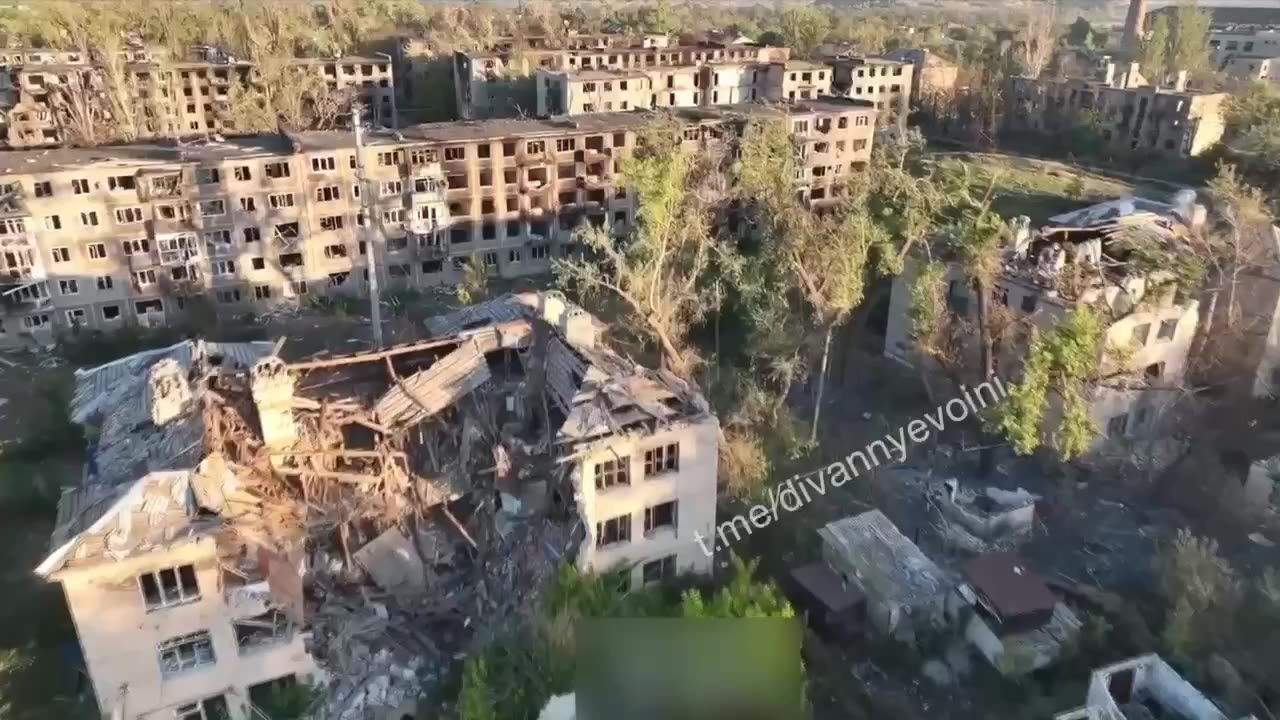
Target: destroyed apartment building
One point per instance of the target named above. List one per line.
(1094, 257)
(247, 523)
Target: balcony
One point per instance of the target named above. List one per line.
(25, 295)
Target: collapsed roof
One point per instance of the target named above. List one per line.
(452, 446)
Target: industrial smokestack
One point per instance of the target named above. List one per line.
(1133, 25)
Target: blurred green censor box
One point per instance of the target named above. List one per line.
(689, 669)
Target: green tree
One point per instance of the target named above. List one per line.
(1189, 44)
(657, 271)
(803, 28)
(1155, 50)
(1080, 33)
(1061, 363)
(476, 700)
(741, 597)
(824, 259)
(1201, 594)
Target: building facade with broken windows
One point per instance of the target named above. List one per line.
(100, 237)
(1078, 259)
(609, 89)
(182, 97)
(1128, 113)
(494, 83)
(887, 83)
(247, 523)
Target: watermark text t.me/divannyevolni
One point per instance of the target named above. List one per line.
(799, 490)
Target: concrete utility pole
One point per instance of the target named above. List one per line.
(371, 243)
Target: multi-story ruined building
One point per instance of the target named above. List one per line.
(187, 97)
(206, 503)
(612, 90)
(100, 237)
(504, 82)
(1131, 114)
(887, 83)
(1078, 259)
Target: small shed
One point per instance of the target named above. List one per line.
(903, 587)
(831, 603)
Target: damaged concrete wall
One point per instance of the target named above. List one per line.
(272, 386)
(120, 637)
(692, 486)
(168, 394)
(1154, 677)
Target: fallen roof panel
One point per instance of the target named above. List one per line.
(429, 391)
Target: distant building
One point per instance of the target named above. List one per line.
(1144, 686)
(932, 75)
(887, 83)
(502, 81)
(182, 98)
(1254, 67)
(1133, 115)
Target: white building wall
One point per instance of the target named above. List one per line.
(692, 486)
(119, 638)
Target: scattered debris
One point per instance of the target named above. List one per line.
(390, 506)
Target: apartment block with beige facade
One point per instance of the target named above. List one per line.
(97, 238)
(1133, 114)
(192, 97)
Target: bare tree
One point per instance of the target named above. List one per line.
(1040, 36)
(80, 111)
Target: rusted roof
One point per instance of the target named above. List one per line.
(1003, 579)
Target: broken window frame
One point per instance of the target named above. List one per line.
(655, 571)
(198, 647)
(611, 473)
(278, 629)
(184, 588)
(621, 531)
(213, 707)
(651, 517)
(662, 459)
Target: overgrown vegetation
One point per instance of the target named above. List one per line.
(515, 675)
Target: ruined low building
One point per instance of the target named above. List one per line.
(1082, 259)
(247, 523)
(992, 515)
(1141, 688)
(1009, 615)
(1130, 113)
(905, 591)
